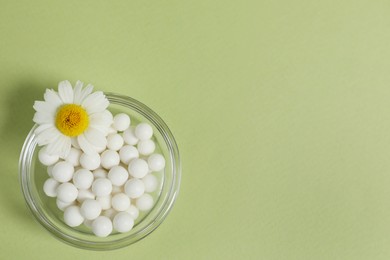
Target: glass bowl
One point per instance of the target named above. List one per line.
(32, 175)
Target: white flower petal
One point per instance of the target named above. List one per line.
(41, 118)
(85, 145)
(85, 93)
(48, 135)
(45, 108)
(74, 142)
(95, 137)
(103, 129)
(41, 128)
(101, 118)
(65, 92)
(95, 103)
(52, 97)
(77, 92)
(60, 146)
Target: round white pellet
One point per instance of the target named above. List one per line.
(110, 159)
(90, 161)
(129, 136)
(133, 211)
(121, 122)
(63, 205)
(117, 189)
(145, 202)
(63, 171)
(156, 162)
(138, 168)
(85, 194)
(50, 187)
(90, 209)
(101, 187)
(123, 222)
(118, 175)
(67, 192)
(110, 213)
(73, 217)
(74, 156)
(150, 182)
(127, 153)
(120, 202)
(50, 170)
(146, 147)
(134, 188)
(83, 179)
(102, 226)
(47, 159)
(105, 202)
(99, 173)
(114, 142)
(143, 131)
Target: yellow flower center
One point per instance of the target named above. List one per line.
(72, 119)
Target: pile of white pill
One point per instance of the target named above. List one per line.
(106, 191)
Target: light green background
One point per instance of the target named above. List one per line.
(281, 110)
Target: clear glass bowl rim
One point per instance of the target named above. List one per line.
(116, 99)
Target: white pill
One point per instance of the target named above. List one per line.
(146, 147)
(156, 162)
(120, 202)
(73, 217)
(101, 187)
(143, 131)
(150, 182)
(133, 211)
(83, 179)
(74, 156)
(118, 175)
(114, 142)
(105, 202)
(99, 173)
(63, 205)
(145, 202)
(67, 192)
(90, 161)
(123, 222)
(85, 194)
(102, 226)
(50, 187)
(110, 213)
(121, 122)
(47, 159)
(129, 136)
(134, 188)
(50, 170)
(117, 189)
(127, 153)
(63, 171)
(110, 159)
(138, 168)
(90, 209)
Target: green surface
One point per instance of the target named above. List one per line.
(280, 110)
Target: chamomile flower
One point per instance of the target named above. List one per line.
(77, 117)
